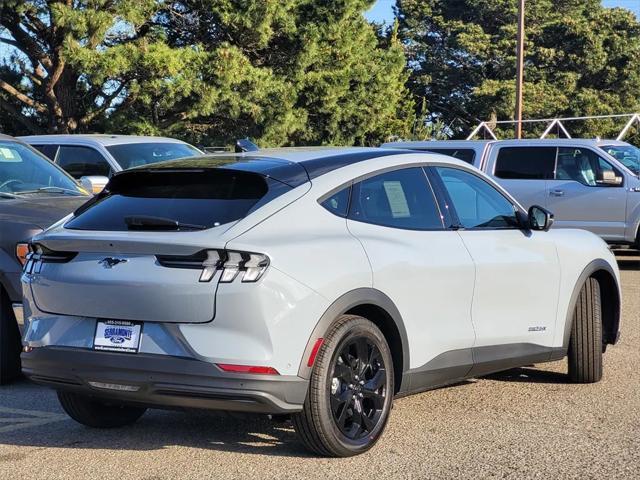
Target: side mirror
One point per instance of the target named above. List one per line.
(608, 177)
(540, 218)
(93, 183)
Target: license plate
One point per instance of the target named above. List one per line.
(117, 336)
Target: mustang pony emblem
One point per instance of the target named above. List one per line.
(111, 262)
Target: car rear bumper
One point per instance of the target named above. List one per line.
(162, 381)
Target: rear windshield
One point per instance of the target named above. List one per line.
(175, 200)
(130, 155)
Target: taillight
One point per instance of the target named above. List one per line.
(22, 251)
(233, 264)
(39, 254)
(259, 370)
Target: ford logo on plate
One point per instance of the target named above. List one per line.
(117, 335)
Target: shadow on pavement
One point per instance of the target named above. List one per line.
(156, 430)
(529, 375)
(628, 259)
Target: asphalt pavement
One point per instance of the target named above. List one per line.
(525, 423)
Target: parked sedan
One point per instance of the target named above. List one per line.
(319, 284)
(34, 193)
(92, 159)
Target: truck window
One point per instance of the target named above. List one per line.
(465, 154)
(49, 150)
(83, 161)
(582, 165)
(526, 163)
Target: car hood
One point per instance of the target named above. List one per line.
(39, 211)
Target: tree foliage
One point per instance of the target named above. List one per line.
(580, 59)
(283, 72)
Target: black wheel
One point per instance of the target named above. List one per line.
(97, 414)
(10, 344)
(585, 344)
(350, 390)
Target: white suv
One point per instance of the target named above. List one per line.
(316, 283)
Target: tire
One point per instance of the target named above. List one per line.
(345, 414)
(97, 414)
(585, 343)
(10, 344)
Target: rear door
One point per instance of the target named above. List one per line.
(425, 269)
(579, 198)
(524, 172)
(517, 272)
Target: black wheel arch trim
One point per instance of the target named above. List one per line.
(591, 268)
(347, 302)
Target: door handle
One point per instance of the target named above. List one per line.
(557, 193)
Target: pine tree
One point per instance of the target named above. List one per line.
(580, 59)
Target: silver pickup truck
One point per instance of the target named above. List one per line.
(588, 184)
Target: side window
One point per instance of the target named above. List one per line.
(525, 163)
(583, 165)
(477, 203)
(398, 199)
(48, 150)
(82, 161)
(338, 203)
(465, 154)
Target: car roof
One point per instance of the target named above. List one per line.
(427, 144)
(9, 138)
(595, 142)
(102, 139)
(293, 166)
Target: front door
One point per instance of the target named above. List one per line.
(517, 271)
(580, 198)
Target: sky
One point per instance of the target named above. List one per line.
(382, 11)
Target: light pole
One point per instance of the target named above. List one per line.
(519, 68)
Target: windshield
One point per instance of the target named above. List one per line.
(628, 155)
(23, 171)
(131, 155)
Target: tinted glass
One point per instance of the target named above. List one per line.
(399, 199)
(532, 163)
(206, 198)
(628, 155)
(83, 161)
(465, 154)
(338, 203)
(22, 171)
(477, 203)
(48, 150)
(136, 154)
(581, 165)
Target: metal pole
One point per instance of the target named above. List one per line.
(520, 68)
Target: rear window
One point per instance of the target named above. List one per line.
(526, 163)
(465, 154)
(192, 199)
(130, 155)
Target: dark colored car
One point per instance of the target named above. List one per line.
(34, 193)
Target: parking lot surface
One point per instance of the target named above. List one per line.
(525, 423)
